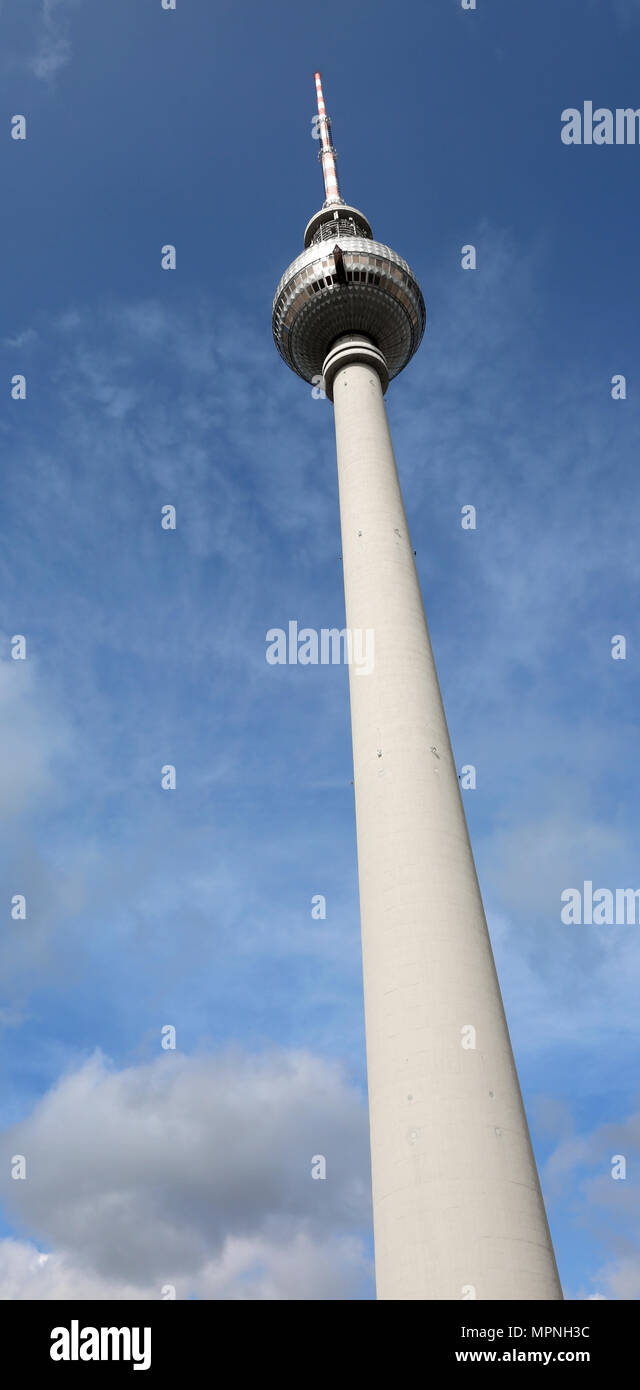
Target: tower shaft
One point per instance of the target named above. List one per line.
(458, 1210)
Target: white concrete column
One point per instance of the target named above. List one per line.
(456, 1196)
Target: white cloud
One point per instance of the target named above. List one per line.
(192, 1171)
(53, 46)
(581, 1173)
(618, 1280)
(301, 1267)
(33, 735)
(19, 340)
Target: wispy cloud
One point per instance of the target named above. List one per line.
(585, 1173)
(52, 43)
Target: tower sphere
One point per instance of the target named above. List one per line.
(344, 283)
(367, 290)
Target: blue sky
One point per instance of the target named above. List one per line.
(146, 647)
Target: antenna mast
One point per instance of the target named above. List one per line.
(327, 154)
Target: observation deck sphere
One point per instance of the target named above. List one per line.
(380, 299)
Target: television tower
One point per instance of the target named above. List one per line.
(458, 1211)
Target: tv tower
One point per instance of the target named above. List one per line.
(458, 1211)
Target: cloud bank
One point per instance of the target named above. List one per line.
(194, 1172)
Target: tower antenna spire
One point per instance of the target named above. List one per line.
(327, 154)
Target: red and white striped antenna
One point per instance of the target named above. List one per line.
(327, 153)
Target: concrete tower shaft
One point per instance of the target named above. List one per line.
(456, 1198)
(458, 1211)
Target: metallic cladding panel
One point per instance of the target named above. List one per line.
(381, 300)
